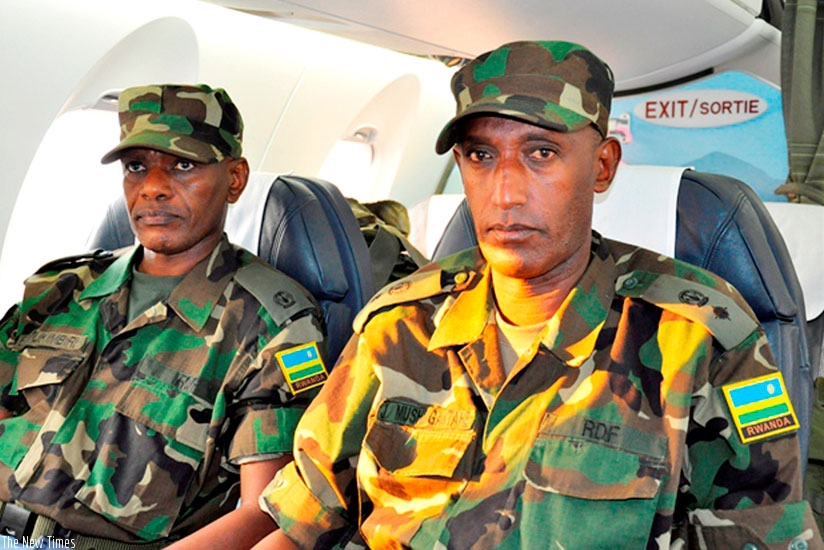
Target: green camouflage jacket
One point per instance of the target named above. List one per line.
(135, 432)
(612, 431)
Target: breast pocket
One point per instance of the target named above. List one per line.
(593, 483)
(171, 402)
(150, 452)
(411, 440)
(42, 376)
(414, 452)
(43, 372)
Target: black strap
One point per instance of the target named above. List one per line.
(16, 521)
(383, 253)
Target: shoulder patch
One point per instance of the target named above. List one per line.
(278, 293)
(760, 407)
(302, 367)
(718, 312)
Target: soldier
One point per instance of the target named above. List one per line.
(143, 391)
(551, 388)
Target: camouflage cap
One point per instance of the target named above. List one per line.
(556, 85)
(193, 122)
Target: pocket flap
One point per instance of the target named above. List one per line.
(591, 459)
(45, 366)
(178, 414)
(413, 439)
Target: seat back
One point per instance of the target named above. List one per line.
(725, 228)
(310, 233)
(114, 231)
(458, 235)
(722, 226)
(307, 230)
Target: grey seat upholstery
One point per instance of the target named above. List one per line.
(309, 232)
(724, 227)
(114, 231)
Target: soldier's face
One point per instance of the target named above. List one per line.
(177, 207)
(530, 191)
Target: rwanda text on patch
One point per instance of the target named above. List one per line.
(302, 367)
(760, 407)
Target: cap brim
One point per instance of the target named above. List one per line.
(449, 135)
(160, 142)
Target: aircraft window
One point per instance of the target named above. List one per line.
(350, 164)
(62, 198)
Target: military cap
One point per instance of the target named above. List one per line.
(556, 85)
(193, 122)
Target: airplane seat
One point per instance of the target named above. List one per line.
(802, 226)
(310, 233)
(458, 235)
(114, 231)
(303, 227)
(724, 227)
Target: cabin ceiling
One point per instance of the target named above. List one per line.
(646, 42)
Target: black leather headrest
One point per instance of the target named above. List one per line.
(310, 233)
(725, 228)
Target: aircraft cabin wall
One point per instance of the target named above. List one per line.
(311, 104)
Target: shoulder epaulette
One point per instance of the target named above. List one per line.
(727, 321)
(452, 273)
(70, 262)
(278, 293)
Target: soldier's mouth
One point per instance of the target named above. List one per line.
(510, 232)
(156, 217)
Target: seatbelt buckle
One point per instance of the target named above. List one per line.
(16, 521)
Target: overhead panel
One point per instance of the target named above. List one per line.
(646, 43)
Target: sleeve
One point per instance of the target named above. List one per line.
(276, 389)
(314, 499)
(739, 491)
(9, 399)
(45, 291)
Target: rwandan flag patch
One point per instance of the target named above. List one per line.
(302, 367)
(760, 407)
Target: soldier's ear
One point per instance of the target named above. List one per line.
(239, 172)
(608, 157)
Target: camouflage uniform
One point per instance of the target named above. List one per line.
(136, 431)
(611, 431)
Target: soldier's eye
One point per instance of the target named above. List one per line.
(184, 165)
(478, 155)
(132, 166)
(542, 153)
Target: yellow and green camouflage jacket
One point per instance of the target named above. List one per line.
(136, 431)
(612, 431)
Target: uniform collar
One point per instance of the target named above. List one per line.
(196, 295)
(570, 334)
